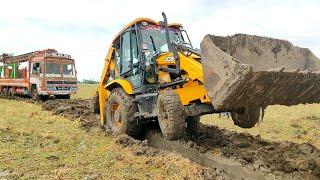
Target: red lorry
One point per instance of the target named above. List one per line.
(39, 74)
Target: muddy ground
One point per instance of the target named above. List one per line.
(229, 154)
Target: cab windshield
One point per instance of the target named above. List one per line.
(53, 69)
(155, 38)
(68, 70)
(58, 70)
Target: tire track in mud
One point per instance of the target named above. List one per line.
(230, 155)
(241, 155)
(225, 167)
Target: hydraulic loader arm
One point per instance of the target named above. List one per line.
(103, 93)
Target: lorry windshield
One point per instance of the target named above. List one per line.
(68, 70)
(53, 69)
(157, 34)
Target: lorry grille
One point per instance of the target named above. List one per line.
(61, 88)
(61, 82)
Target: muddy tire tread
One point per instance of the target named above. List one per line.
(130, 126)
(172, 123)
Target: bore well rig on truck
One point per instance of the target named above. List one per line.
(39, 74)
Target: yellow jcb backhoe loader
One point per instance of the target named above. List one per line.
(152, 72)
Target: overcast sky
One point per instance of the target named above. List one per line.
(85, 28)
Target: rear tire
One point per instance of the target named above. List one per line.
(5, 91)
(120, 110)
(11, 93)
(246, 118)
(171, 115)
(193, 123)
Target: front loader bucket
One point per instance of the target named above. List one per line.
(253, 77)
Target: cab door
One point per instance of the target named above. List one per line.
(129, 66)
(36, 74)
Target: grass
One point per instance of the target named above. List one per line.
(85, 91)
(37, 145)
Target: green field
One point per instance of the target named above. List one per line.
(35, 144)
(85, 91)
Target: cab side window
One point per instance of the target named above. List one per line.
(117, 54)
(36, 68)
(125, 53)
(134, 48)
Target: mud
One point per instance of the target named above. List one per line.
(265, 53)
(240, 155)
(227, 154)
(244, 71)
(73, 110)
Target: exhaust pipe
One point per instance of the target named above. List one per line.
(171, 48)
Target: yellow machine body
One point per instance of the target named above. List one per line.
(191, 91)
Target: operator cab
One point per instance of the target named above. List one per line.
(137, 48)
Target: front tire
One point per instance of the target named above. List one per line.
(120, 110)
(35, 96)
(171, 115)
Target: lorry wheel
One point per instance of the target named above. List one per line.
(5, 91)
(35, 96)
(193, 123)
(247, 118)
(171, 115)
(120, 110)
(11, 93)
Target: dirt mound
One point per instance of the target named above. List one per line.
(285, 156)
(73, 109)
(266, 53)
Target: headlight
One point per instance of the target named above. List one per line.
(52, 88)
(73, 88)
